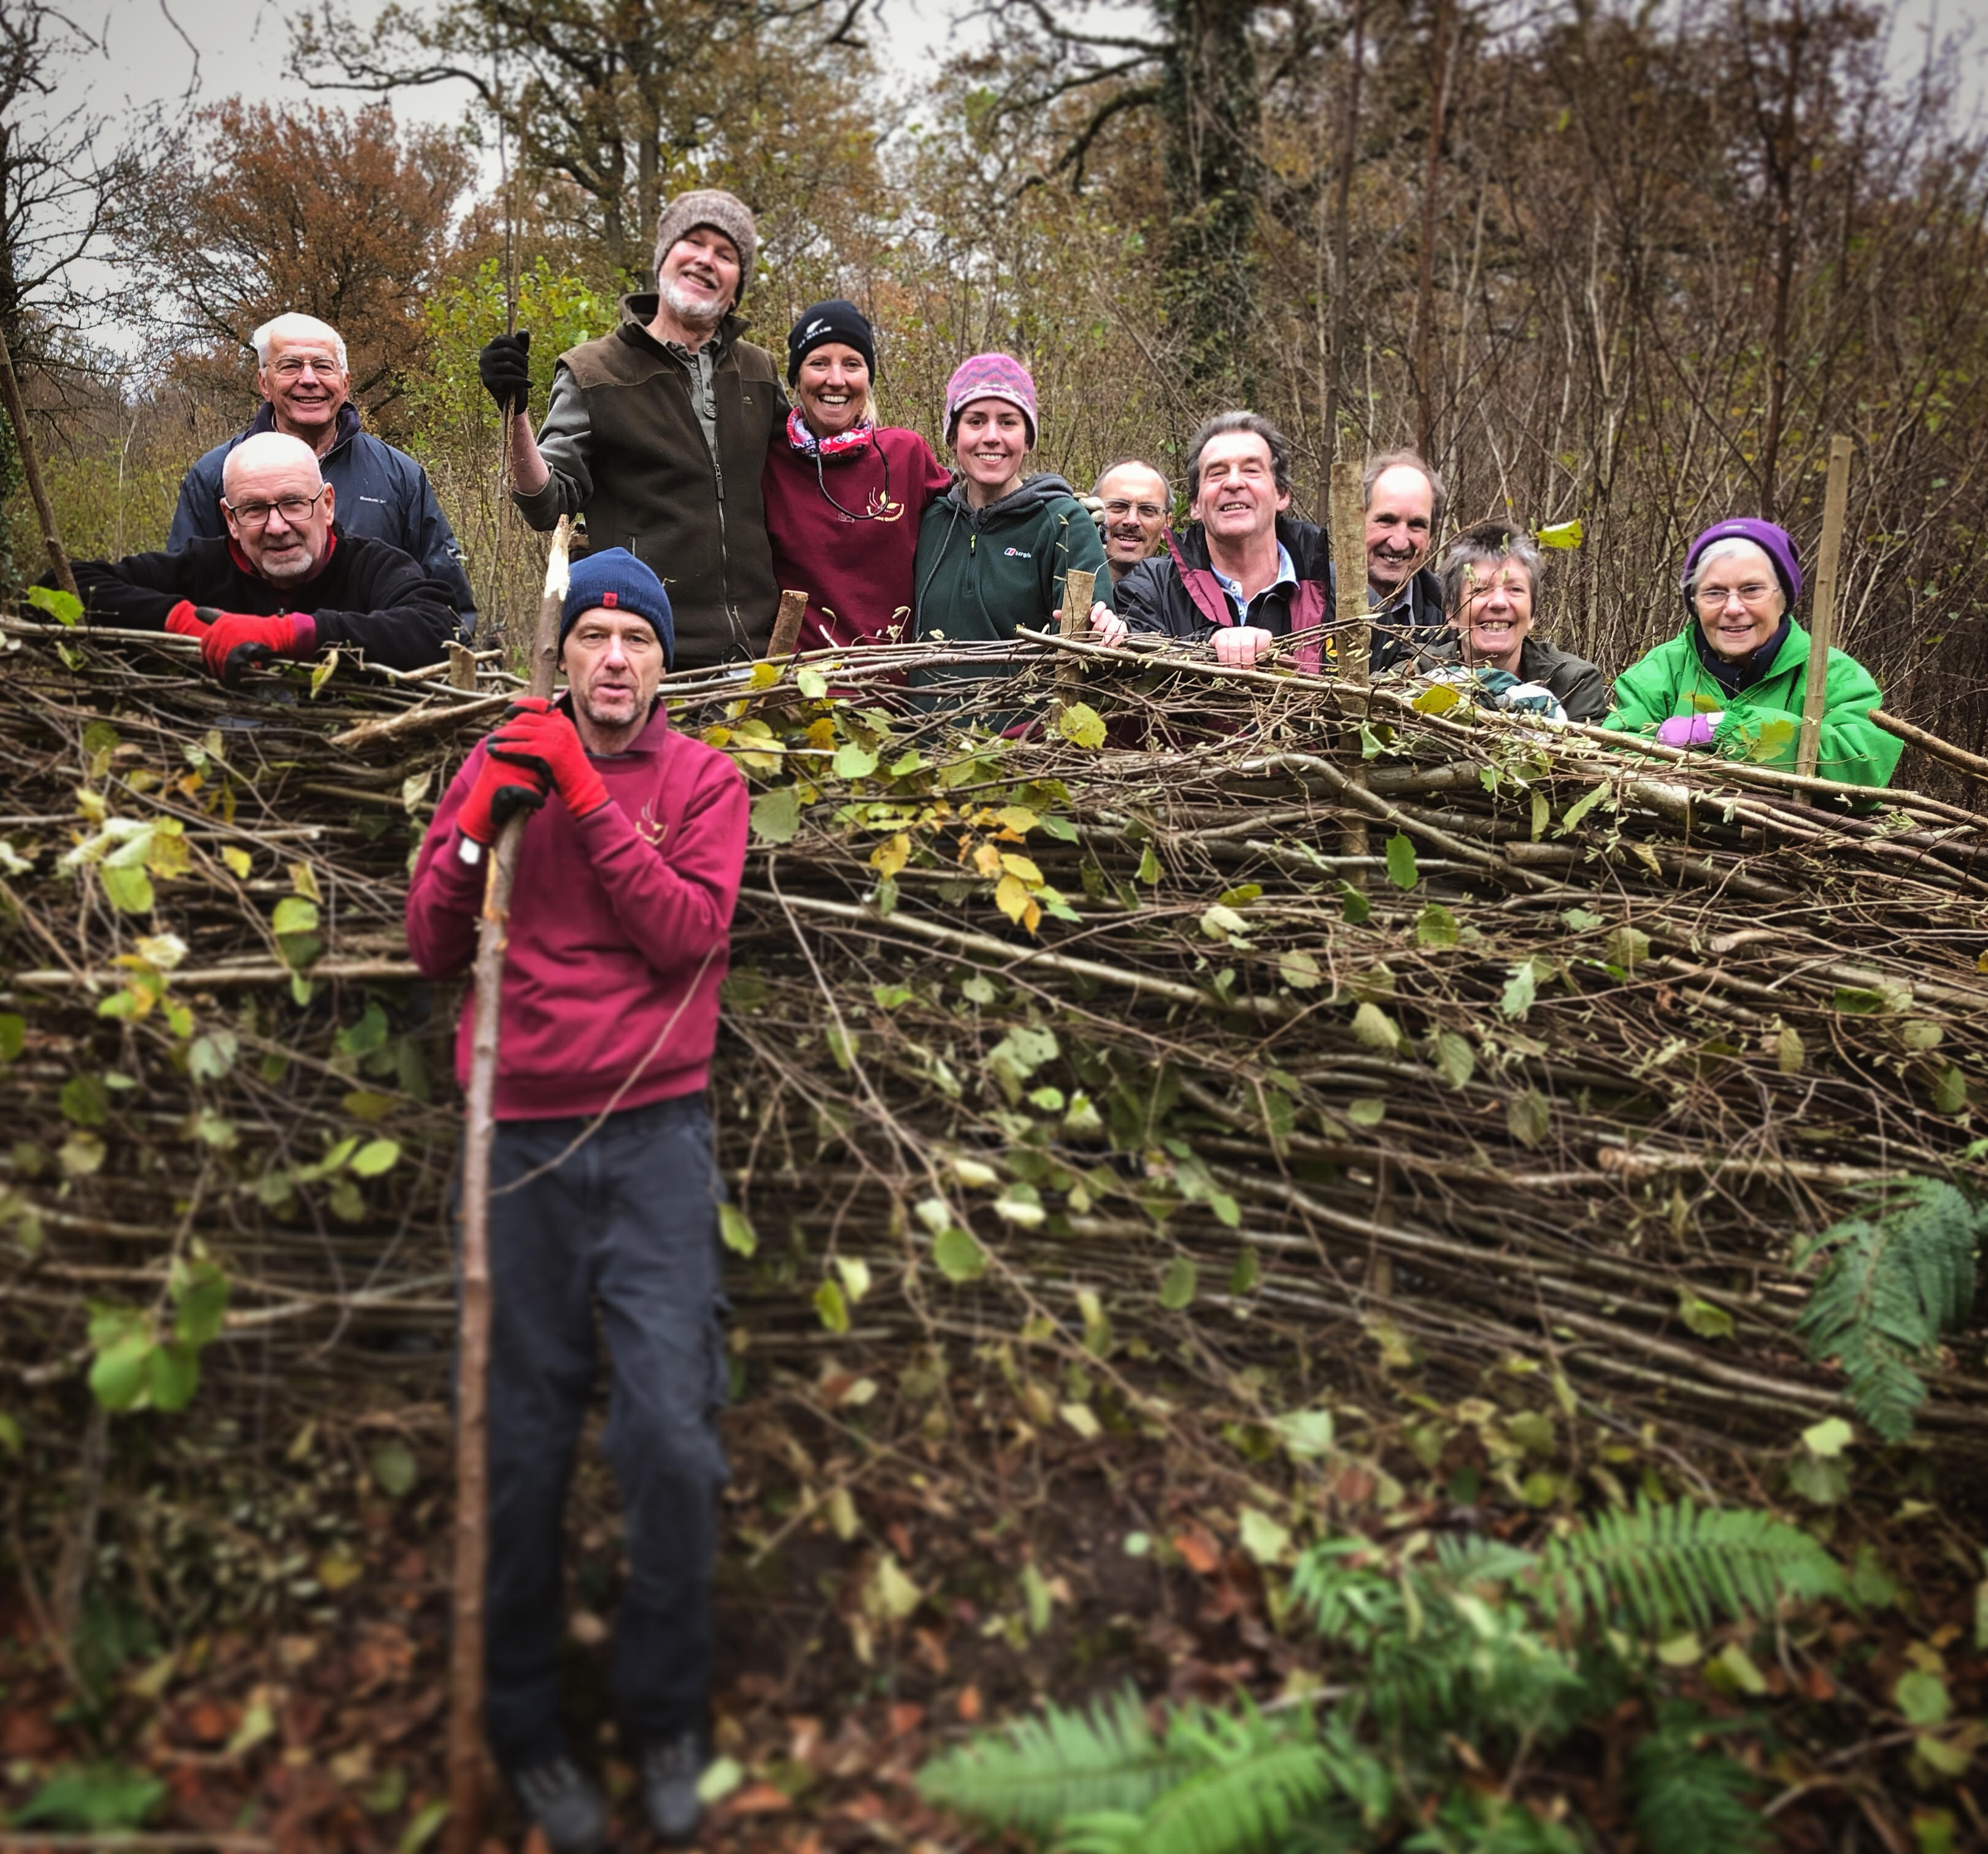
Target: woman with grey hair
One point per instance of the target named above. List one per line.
(1733, 681)
(1491, 576)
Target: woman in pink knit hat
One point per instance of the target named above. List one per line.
(993, 551)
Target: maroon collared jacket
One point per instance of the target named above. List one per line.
(619, 931)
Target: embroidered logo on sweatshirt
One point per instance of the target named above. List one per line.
(1018, 553)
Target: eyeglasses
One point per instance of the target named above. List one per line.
(1146, 512)
(292, 366)
(295, 509)
(1712, 598)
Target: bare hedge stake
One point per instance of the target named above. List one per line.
(787, 625)
(1079, 590)
(31, 468)
(1822, 618)
(472, 1486)
(1348, 532)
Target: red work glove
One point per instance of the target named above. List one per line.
(535, 734)
(501, 792)
(232, 641)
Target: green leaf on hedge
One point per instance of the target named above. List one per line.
(129, 889)
(959, 1258)
(777, 815)
(736, 1229)
(1402, 861)
(65, 608)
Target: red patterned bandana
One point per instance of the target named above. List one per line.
(844, 444)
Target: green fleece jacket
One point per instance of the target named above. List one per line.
(981, 572)
(1762, 723)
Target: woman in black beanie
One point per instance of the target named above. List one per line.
(843, 494)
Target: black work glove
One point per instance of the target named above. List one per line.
(505, 365)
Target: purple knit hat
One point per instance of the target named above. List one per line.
(1772, 541)
(989, 376)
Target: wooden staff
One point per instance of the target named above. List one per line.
(1079, 590)
(787, 624)
(472, 1491)
(1355, 632)
(31, 468)
(1822, 618)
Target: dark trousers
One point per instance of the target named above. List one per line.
(626, 1222)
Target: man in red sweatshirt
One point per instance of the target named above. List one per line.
(604, 1185)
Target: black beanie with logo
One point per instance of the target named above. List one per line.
(837, 319)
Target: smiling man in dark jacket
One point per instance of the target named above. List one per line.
(1243, 574)
(383, 494)
(285, 582)
(657, 433)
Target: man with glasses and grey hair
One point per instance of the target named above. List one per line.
(283, 581)
(382, 492)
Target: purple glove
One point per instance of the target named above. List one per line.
(1689, 730)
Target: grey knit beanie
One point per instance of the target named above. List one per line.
(722, 211)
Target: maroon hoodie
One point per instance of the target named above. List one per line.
(857, 573)
(619, 931)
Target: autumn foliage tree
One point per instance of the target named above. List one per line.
(257, 212)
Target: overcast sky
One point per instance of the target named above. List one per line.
(242, 47)
(163, 51)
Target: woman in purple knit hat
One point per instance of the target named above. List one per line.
(1732, 682)
(993, 551)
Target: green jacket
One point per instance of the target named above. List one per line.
(981, 572)
(1851, 748)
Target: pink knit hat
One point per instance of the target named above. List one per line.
(989, 376)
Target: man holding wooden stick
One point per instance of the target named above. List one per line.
(604, 1186)
(658, 432)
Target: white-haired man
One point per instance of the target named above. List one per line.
(658, 432)
(283, 581)
(382, 492)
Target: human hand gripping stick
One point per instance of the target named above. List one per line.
(537, 736)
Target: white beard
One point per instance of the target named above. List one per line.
(697, 311)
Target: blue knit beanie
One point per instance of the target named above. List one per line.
(614, 578)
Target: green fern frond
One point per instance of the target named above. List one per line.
(1468, 1823)
(1662, 1568)
(1891, 1283)
(1040, 1773)
(1462, 1563)
(1685, 1800)
(1243, 1805)
(1352, 1606)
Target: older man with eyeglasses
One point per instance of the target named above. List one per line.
(285, 580)
(306, 382)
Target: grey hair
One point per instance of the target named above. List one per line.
(1489, 544)
(1223, 423)
(1729, 549)
(1144, 463)
(1411, 460)
(294, 326)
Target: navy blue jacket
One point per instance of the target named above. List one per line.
(382, 493)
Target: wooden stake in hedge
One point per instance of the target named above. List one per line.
(473, 1493)
(31, 468)
(787, 625)
(1355, 633)
(1079, 591)
(1822, 615)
